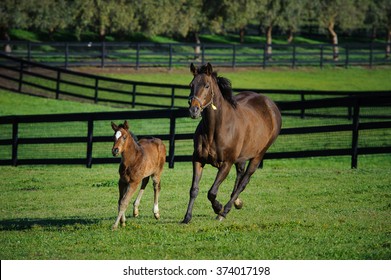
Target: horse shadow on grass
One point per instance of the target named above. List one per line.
(30, 223)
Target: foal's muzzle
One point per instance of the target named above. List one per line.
(115, 152)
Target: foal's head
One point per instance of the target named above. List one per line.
(121, 136)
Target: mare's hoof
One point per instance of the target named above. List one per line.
(238, 204)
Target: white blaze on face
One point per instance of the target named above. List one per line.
(118, 135)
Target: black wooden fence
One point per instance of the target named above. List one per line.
(131, 54)
(363, 132)
(10, 125)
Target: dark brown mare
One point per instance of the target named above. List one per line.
(233, 130)
(140, 161)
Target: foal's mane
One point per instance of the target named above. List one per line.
(224, 85)
(131, 133)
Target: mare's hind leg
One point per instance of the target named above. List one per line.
(240, 169)
(156, 189)
(251, 168)
(139, 196)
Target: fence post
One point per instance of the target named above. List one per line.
(203, 53)
(137, 56)
(170, 58)
(347, 56)
(89, 142)
(29, 51)
(58, 80)
(21, 76)
(103, 50)
(355, 129)
(134, 96)
(371, 56)
(171, 150)
(233, 55)
(264, 56)
(294, 56)
(96, 90)
(302, 113)
(15, 129)
(66, 55)
(321, 57)
(172, 97)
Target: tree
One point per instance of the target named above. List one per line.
(379, 16)
(293, 15)
(270, 15)
(238, 14)
(347, 14)
(49, 15)
(104, 16)
(12, 15)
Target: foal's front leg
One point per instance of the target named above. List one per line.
(123, 202)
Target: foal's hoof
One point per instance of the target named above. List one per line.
(238, 204)
(135, 214)
(157, 216)
(220, 218)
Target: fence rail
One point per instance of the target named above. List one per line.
(103, 54)
(13, 123)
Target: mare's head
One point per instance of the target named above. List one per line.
(203, 89)
(121, 136)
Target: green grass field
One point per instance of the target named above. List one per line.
(315, 208)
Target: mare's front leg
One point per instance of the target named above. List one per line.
(127, 190)
(197, 173)
(220, 177)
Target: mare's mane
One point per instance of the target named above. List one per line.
(224, 85)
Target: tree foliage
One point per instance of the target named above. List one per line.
(188, 18)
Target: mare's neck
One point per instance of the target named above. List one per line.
(213, 115)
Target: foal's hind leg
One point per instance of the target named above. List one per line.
(156, 189)
(139, 196)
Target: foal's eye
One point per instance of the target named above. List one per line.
(207, 86)
(124, 137)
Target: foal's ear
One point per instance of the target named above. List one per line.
(193, 69)
(114, 126)
(209, 69)
(126, 125)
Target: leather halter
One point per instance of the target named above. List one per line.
(207, 104)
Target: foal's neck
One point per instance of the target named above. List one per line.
(131, 152)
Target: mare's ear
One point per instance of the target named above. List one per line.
(126, 125)
(193, 69)
(114, 126)
(209, 69)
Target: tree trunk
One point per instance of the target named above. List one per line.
(102, 33)
(4, 36)
(334, 40)
(241, 35)
(388, 48)
(269, 39)
(197, 48)
(290, 36)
